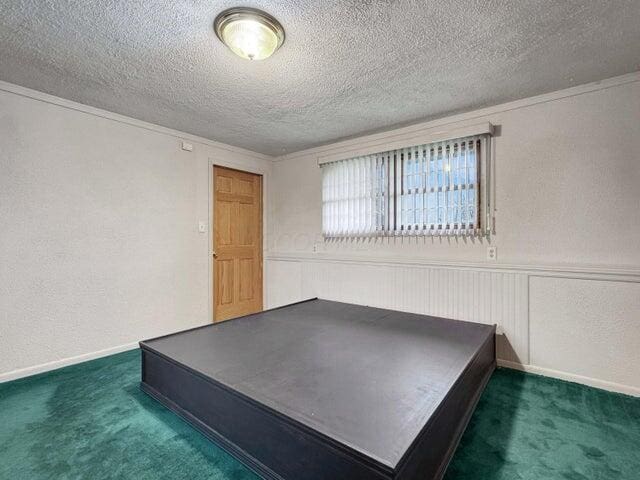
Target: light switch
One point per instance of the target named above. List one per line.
(492, 253)
(202, 227)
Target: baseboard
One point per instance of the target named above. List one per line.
(546, 372)
(571, 377)
(45, 367)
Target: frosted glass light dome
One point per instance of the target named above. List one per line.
(249, 33)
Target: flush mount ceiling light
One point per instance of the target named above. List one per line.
(249, 33)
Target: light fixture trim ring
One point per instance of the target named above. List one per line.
(238, 13)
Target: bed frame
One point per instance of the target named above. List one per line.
(327, 390)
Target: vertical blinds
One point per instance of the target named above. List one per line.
(431, 189)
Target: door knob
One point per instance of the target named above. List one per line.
(215, 255)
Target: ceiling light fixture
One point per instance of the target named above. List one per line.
(249, 33)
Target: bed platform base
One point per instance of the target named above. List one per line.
(279, 447)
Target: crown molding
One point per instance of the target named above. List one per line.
(116, 117)
(362, 141)
(404, 133)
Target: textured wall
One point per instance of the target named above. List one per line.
(567, 170)
(99, 244)
(588, 327)
(566, 188)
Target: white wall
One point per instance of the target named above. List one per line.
(99, 245)
(567, 198)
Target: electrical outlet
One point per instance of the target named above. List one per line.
(492, 253)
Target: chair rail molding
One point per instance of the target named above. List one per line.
(582, 271)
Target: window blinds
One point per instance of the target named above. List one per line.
(355, 200)
(431, 189)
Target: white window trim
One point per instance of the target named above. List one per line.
(485, 225)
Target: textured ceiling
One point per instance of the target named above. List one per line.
(346, 67)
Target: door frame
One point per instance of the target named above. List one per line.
(243, 167)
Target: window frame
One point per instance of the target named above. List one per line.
(394, 163)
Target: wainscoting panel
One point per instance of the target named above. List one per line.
(576, 323)
(464, 294)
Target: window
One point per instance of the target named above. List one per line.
(432, 189)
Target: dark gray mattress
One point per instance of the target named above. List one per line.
(365, 378)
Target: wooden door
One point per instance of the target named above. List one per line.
(237, 243)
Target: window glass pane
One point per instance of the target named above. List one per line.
(428, 188)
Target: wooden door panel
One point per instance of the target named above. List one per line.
(245, 226)
(245, 188)
(245, 277)
(225, 281)
(224, 214)
(223, 183)
(237, 243)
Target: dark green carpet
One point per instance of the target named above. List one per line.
(92, 421)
